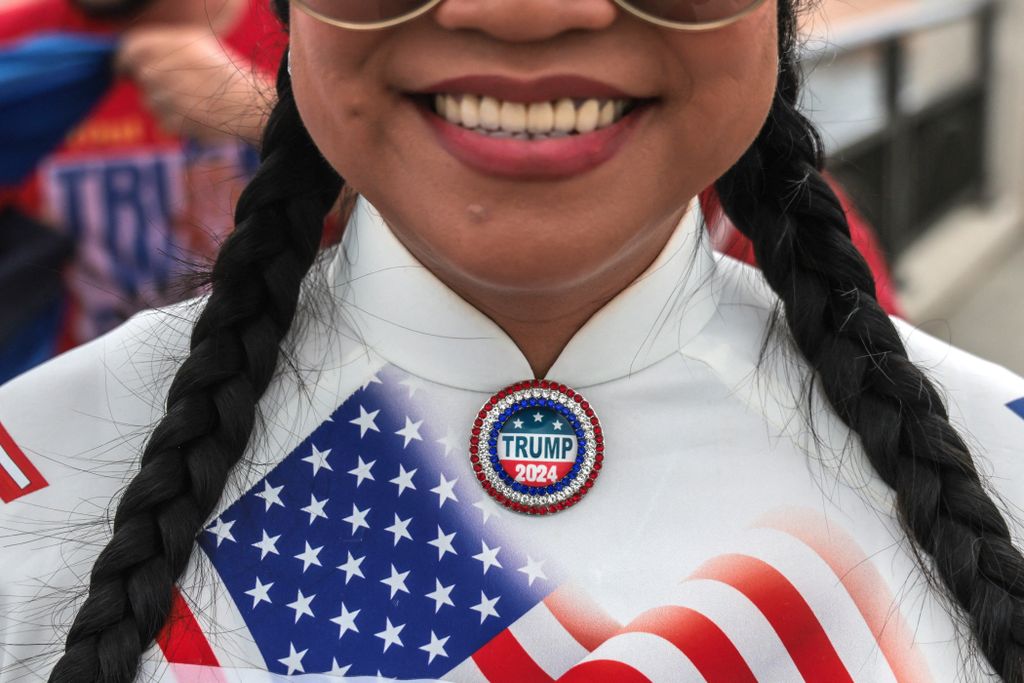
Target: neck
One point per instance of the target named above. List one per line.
(541, 326)
(542, 323)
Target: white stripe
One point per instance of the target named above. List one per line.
(744, 626)
(546, 641)
(825, 594)
(466, 672)
(654, 657)
(15, 473)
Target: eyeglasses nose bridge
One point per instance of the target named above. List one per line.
(371, 26)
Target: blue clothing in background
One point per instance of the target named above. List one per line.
(48, 84)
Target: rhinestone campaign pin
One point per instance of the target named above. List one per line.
(537, 447)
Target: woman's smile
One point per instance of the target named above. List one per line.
(541, 129)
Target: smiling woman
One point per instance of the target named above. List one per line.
(531, 427)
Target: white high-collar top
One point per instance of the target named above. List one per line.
(415, 322)
(733, 534)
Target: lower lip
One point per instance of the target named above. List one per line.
(533, 159)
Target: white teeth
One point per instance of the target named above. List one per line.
(513, 117)
(537, 120)
(565, 115)
(587, 115)
(452, 110)
(470, 111)
(540, 117)
(490, 113)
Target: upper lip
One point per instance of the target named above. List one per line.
(543, 89)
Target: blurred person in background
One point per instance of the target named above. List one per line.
(146, 183)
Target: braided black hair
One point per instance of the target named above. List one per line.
(211, 404)
(775, 194)
(778, 198)
(123, 9)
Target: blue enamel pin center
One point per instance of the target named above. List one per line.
(537, 447)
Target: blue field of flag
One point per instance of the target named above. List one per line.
(365, 550)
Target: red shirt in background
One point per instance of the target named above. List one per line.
(140, 204)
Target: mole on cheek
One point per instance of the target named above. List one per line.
(357, 104)
(477, 213)
(354, 112)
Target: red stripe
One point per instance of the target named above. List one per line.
(503, 660)
(11, 489)
(699, 639)
(181, 639)
(785, 609)
(864, 583)
(603, 671)
(585, 621)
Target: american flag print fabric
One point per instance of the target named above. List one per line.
(771, 610)
(18, 476)
(362, 553)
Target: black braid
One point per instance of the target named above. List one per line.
(124, 9)
(776, 195)
(211, 405)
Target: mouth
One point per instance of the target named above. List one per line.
(548, 128)
(533, 121)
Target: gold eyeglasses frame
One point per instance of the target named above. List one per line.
(431, 4)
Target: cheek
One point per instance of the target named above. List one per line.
(730, 79)
(338, 92)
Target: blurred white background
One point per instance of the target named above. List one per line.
(922, 105)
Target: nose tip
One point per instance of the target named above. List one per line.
(526, 20)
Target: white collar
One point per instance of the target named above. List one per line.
(401, 311)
